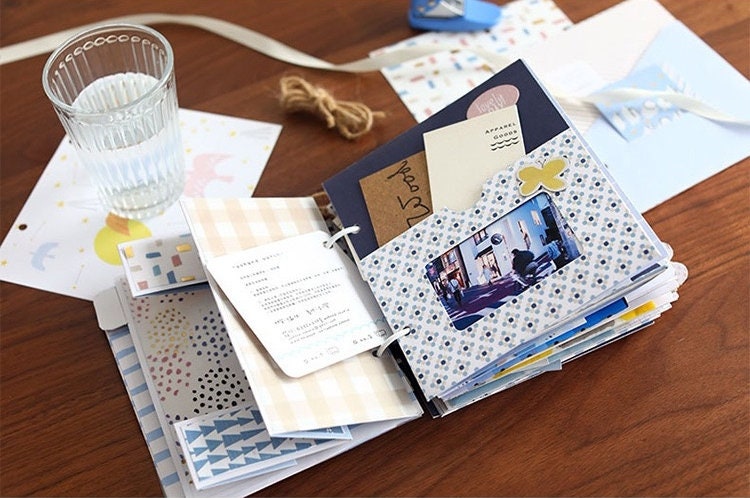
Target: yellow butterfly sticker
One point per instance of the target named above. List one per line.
(533, 178)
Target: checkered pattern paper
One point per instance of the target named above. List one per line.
(358, 390)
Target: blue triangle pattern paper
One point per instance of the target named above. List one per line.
(252, 456)
(234, 455)
(227, 445)
(277, 441)
(230, 439)
(206, 429)
(262, 445)
(251, 434)
(199, 450)
(192, 435)
(223, 425)
(213, 444)
(216, 458)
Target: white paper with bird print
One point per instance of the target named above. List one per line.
(64, 242)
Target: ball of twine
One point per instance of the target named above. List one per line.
(351, 119)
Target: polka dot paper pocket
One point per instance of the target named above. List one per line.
(550, 239)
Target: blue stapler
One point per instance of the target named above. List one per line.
(453, 15)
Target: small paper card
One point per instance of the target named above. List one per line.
(305, 301)
(398, 197)
(462, 156)
(159, 264)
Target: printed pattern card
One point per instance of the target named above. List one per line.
(358, 390)
(160, 437)
(428, 84)
(153, 265)
(188, 366)
(63, 241)
(307, 316)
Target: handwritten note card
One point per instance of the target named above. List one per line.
(306, 302)
(397, 197)
(462, 156)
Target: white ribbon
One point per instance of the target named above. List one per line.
(247, 37)
(680, 100)
(277, 50)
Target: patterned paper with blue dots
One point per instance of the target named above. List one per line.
(615, 243)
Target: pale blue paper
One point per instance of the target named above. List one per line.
(678, 155)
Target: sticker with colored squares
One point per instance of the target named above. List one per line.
(158, 264)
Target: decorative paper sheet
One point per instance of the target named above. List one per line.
(612, 48)
(428, 84)
(160, 437)
(133, 377)
(63, 242)
(156, 264)
(195, 379)
(358, 390)
(233, 444)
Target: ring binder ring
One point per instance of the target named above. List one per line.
(328, 244)
(391, 339)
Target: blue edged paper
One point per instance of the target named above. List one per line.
(689, 149)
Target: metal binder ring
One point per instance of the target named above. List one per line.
(328, 244)
(391, 339)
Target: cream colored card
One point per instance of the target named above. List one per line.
(462, 156)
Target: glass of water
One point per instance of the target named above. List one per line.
(113, 88)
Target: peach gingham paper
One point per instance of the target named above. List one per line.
(358, 390)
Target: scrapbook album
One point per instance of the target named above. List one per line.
(483, 247)
(505, 275)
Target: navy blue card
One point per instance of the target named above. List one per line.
(540, 121)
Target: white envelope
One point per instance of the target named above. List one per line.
(628, 37)
(599, 50)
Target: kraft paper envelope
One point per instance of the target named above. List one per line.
(398, 197)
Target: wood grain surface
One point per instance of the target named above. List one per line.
(665, 412)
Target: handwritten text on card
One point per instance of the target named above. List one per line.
(398, 197)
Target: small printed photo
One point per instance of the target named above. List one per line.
(502, 260)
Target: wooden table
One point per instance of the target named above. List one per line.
(664, 412)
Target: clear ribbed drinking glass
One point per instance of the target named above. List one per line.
(113, 88)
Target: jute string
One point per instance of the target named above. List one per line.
(351, 119)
